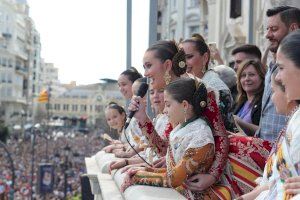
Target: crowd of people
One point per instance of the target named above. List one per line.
(218, 133)
(21, 151)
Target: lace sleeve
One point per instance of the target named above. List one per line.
(154, 139)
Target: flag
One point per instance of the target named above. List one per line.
(43, 97)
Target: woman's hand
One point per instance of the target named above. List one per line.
(128, 167)
(117, 164)
(160, 163)
(200, 182)
(292, 185)
(138, 105)
(108, 149)
(121, 154)
(128, 180)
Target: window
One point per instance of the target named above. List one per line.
(91, 108)
(235, 8)
(173, 5)
(194, 3)
(56, 106)
(3, 78)
(159, 18)
(4, 62)
(66, 107)
(10, 63)
(172, 35)
(74, 108)
(193, 29)
(83, 108)
(9, 78)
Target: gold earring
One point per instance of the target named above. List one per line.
(204, 70)
(184, 112)
(167, 78)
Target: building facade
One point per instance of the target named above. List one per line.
(228, 23)
(84, 103)
(17, 50)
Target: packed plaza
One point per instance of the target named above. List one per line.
(192, 125)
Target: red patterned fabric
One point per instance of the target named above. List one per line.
(213, 115)
(248, 156)
(154, 139)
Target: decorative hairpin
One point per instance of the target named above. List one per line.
(202, 104)
(181, 64)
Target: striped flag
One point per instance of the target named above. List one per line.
(43, 97)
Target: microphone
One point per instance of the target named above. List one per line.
(141, 92)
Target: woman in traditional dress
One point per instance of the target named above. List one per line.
(247, 155)
(197, 55)
(284, 160)
(191, 143)
(164, 63)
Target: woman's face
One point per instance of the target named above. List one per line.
(154, 69)
(157, 99)
(194, 60)
(289, 75)
(279, 98)
(250, 80)
(173, 109)
(125, 86)
(114, 119)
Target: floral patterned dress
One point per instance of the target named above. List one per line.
(191, 151)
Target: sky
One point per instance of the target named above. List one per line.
(86, 39)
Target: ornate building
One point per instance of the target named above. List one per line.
(229, 23)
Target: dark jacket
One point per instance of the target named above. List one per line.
(255, 112)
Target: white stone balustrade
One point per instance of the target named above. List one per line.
(109, 184)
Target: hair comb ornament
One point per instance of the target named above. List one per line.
(203, 104)
(181, 64)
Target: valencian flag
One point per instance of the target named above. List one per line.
(43, 97)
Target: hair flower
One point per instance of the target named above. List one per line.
(181, 64)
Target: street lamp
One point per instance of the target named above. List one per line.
(67, 152)
(33, 135)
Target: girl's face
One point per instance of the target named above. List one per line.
(114, 119)
(289, 75)
(194, 60)
(173, 109)
(154, 69)
(157, 99)
(279, 98)
(250, 80)
(125, 86)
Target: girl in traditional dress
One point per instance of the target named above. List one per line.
(115, 117)
(191, 143)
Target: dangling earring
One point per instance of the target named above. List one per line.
(204, 70)
(184, 112)
(167, 78)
